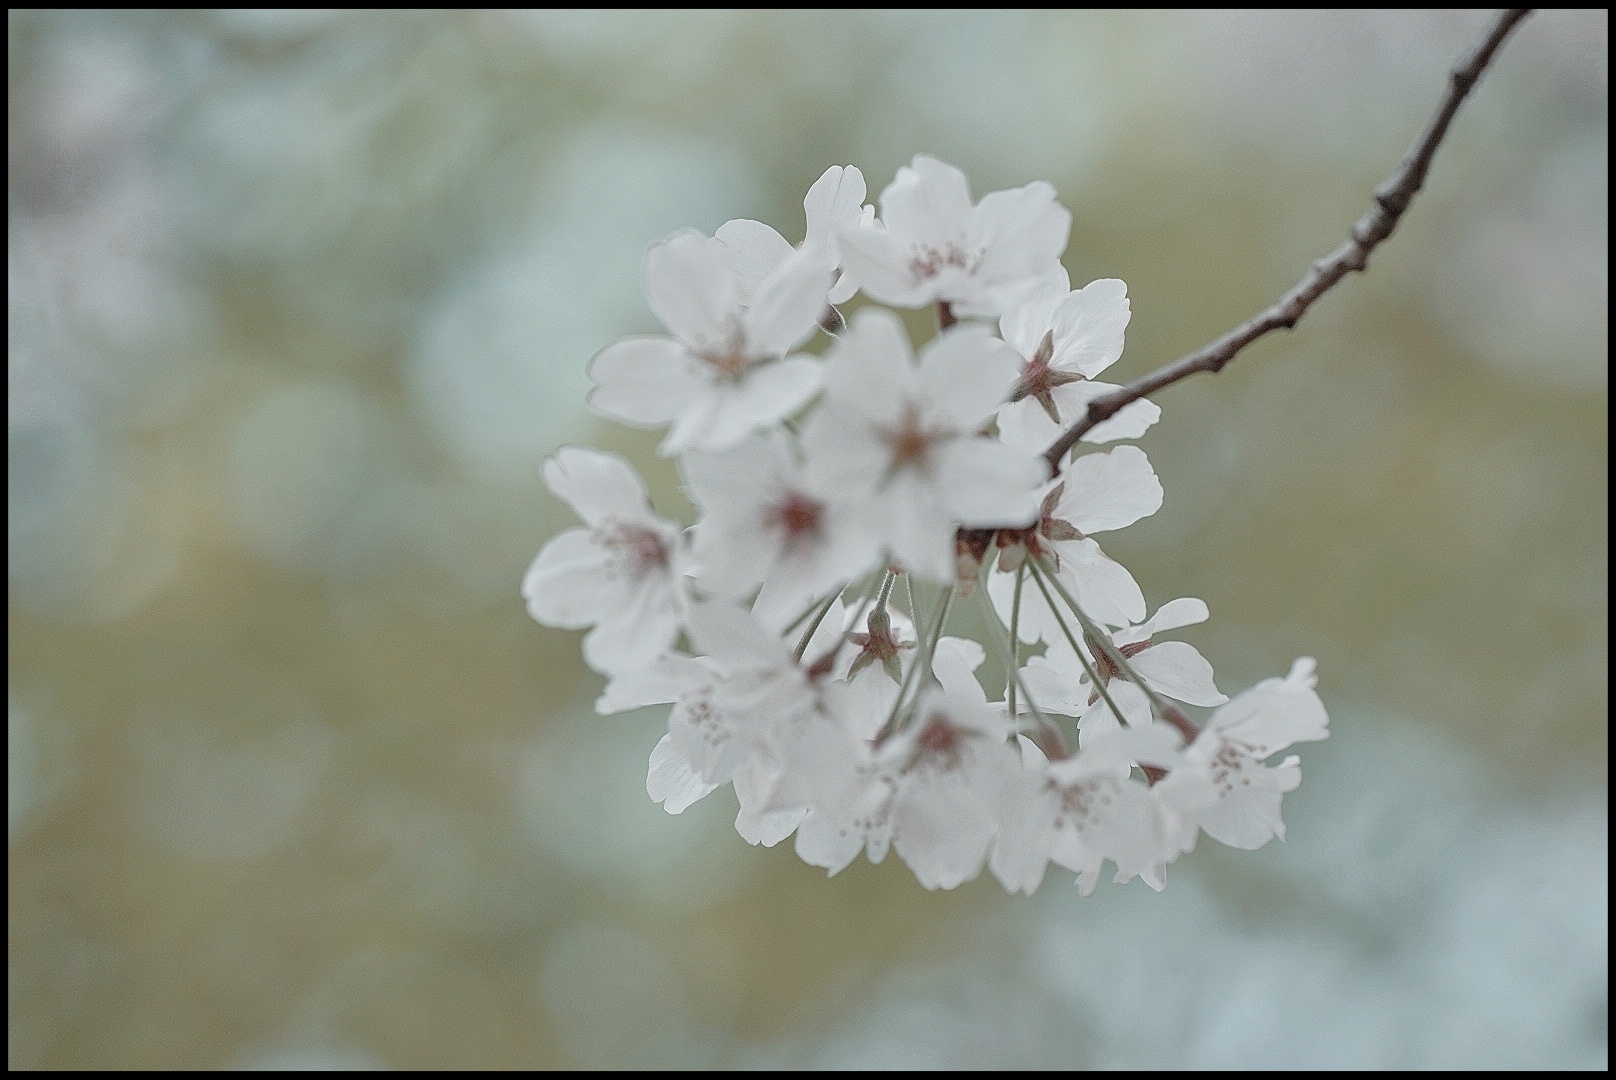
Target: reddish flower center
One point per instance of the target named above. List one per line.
(729, 359)
(910, 443)
(927, 260)
(639, 550)
(939, 741)
(798, 516)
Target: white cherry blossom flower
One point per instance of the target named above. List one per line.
(1087, 808)
(942, 823)
(620, 574)
(748, 713)
(1107, 813)
(1065, 339)
(932, 244)
(905, 437)
(763, 518)
(1225, 786)
(725, 373)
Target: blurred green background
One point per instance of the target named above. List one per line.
(298, 303)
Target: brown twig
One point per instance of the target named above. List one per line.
(1392, 198)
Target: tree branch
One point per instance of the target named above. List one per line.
(1392, 198)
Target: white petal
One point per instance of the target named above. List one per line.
(733, 484)
(821, 842)
(836, 198)
(758, 822)
(942, 831)
(1054, 686)
(643, 381)
(928, 201)
(846, 550)
(1275, 713)
(1184, 611)
(1136, 418)
(1016, 787)
(845, 288)
(671, 781)
(862, 706)
(1129, 831)
(734, 637)
(845, 456)
(765, 395)
(984, 482)
(870, 370)
(1104, 589)
(1034, 616)
(768, 394)
(694, 422)
(1071, 401)
(1127, 697)
(1020, 856)
(733, 557)
(1024, 425)
(635, 634)
(788, 305)
(1248, 816)
(568, 584)
(919, 533)
(661, 683)
(690, 285)
(1022, 231)
(756, 251)
(954, 661)
(1025, 324)
(733, 491)
(597, 485)
(967, 373)
(1109, 491)
(878, 263)
(1108, 593)
(1152, 744)
(1089, 327)
(1177, 669)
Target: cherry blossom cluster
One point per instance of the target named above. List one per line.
(851, 499)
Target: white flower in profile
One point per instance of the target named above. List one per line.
(834, 202)
(1087, 808)
(621, 573)
(1224, 785)
(748, 713)
(932, 244)
(945, 768)
(725, 373)
(764, 518)
(1174, 669)
(1099, 492)
(1066, 338)
(905, 438)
